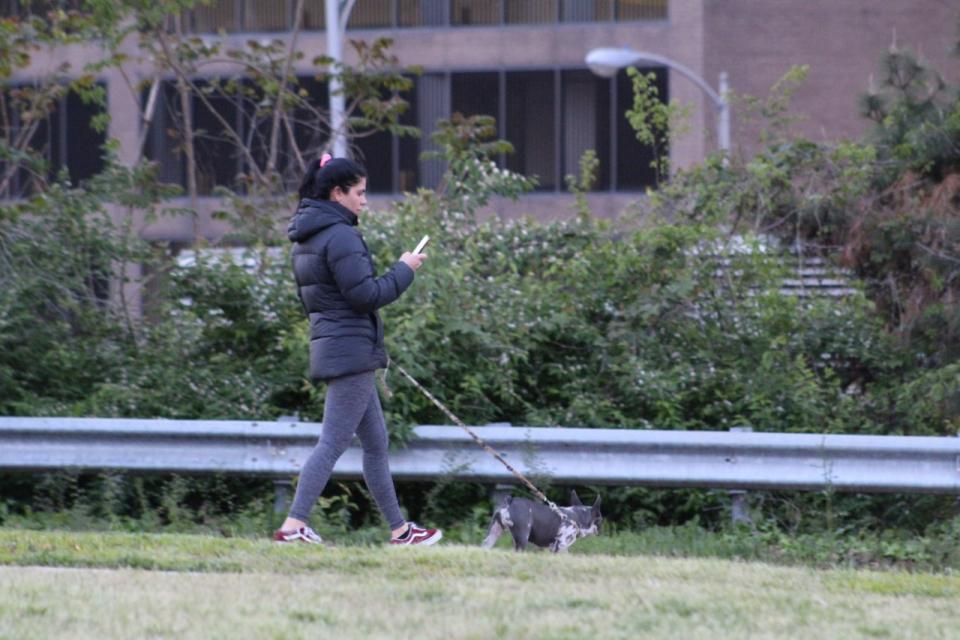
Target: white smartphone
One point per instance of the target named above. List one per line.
(423, 243)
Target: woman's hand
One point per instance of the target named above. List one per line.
(413, 260)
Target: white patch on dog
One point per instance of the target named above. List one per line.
(566, 536)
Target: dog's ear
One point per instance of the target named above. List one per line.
(575, 499)
(596, 503)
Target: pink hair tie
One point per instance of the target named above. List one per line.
(325, 158)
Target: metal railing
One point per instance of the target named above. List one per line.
(704, 459)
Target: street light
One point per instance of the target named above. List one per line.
(337, 13)
(605, 62)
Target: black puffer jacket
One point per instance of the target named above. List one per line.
(339, 291)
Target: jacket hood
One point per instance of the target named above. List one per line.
(313, 216)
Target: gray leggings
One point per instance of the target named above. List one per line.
(352, 406)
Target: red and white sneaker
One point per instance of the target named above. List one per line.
(303, 534)
(418, 535)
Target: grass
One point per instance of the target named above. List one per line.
(112, 585)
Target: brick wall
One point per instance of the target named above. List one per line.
(756, 42)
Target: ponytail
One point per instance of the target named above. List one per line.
(325, 174)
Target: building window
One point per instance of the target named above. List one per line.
(219, 162)
(375, 151)
(531, 11)
(40, 8)
(308, 119)
(552, 117)
(80, 142)
(164, 137)
(216, 16)
(392, 162)
(586, 10)
(475, 93)
(625, 10)
(265, 15)
(63, 138)
(314, 16)
(277, 15)
(633, 162)
(471, 12)
(585, 105)
(530, 120)
(408, 148)
(372, 14)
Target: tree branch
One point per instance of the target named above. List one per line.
(228, 129)
(282, 87)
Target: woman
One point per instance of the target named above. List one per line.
(340, 295)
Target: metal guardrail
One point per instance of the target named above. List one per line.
(705, 459)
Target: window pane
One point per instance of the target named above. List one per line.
(210, 18)
(530, 126)
(415, 13)
(586, 10)
(265, 15)
(39, 8)
(409, 147)
(475, 93)
(63, 138)
(83, 143)
(376, 153)
(164, 138)
(256, 128)
(310, 124)
(433, 105)
(463, 12)
(56, 151)
(217, 156)
(314, 17)
(634, 168)
(586, 123)
(42, 144)
(641, 9)
(520, 11)
(370, 14)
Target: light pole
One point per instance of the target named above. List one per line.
(605, 62)
(337, 13)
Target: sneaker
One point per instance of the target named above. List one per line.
(303, 534)
(418, 535)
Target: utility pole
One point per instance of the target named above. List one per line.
(337, 14)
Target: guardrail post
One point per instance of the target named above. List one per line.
(502, 490)
(738, 497)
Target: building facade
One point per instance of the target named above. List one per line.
(522, 61)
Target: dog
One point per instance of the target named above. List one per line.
(531, 521)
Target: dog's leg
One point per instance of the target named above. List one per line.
(521, 533)
(496, 530)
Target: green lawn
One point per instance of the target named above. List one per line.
(113, 585)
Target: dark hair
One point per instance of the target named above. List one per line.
(319, 181)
